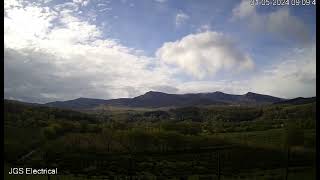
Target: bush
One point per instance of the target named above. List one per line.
(49, 132)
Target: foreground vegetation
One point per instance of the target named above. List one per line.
(223, 142)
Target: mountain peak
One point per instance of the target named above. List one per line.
(150, 95)
(85, 99)
(154, 92)
(250, 93)
(81, 98)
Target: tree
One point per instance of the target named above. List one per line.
(294, 137)
(49, 132)
(107, 136)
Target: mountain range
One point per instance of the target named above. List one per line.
(154, 99)
(298, 101)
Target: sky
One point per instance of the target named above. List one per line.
(62, 50)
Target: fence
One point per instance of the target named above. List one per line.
(230, 162)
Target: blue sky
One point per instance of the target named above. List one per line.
(148, 24)
(123, 48)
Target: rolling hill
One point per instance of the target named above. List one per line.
(154, 99)
(297, 101)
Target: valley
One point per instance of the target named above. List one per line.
(219, 141)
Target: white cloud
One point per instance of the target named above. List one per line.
(181, 18)
(51, 54)
(204, 28)
(82, 2)
(11, 4)
(55, 56)
(294, 76)
(280, 22)
(101, 5)
(205, 54)
(244, 9)
(226, 86)
(105, 9)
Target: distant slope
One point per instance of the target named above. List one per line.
(80, 103)
(37, 111)
(254, 98)
(297, 101)
(7, 101)
(159, 99)
(154, 99)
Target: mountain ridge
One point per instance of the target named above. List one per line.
(298, 101)
(156, 99)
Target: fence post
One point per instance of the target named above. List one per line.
(130, 168)
(219, 165)
(288, 159)
(46, 163)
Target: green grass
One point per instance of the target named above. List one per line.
(298, 174)
(268, 138)
(273, 138)
(19, 140)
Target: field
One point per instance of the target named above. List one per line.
(269, 142)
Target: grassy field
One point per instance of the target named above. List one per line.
(186, 143)
(273, 138)
(276, 174)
